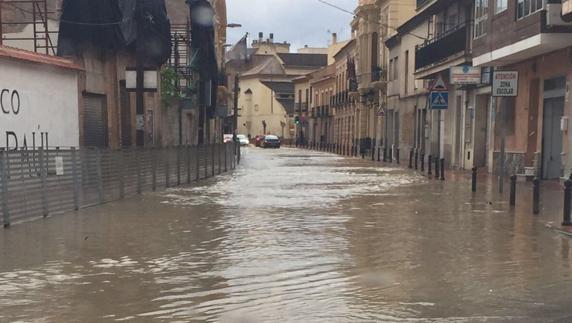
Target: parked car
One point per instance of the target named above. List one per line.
(227, 138)
(271, 141)
(243, 140)
(258, 140)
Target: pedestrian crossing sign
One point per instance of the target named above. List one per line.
(439, 100)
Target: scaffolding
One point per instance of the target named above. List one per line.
(34, 13)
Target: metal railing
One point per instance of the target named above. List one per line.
(38, 183)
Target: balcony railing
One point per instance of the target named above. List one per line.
(442, 46)
(376, 74)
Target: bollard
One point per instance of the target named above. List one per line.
(384, 154)
(422, 163)
(378, 154)
(416, 160)
(437, 168)
(442, 169)
(536, 196)
(373, 153)
(429, 166)
(567, 203)
(474, 180)
(390, 154)
(513, 190)
(397, 155)
(410, 159)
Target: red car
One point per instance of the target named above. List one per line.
(258, 140)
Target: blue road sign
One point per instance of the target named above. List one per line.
(439, 100)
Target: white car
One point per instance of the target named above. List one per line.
(243, 140)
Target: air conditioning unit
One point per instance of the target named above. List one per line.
(554, 15)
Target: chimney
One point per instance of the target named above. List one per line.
(260, 36)
(334, 38)
(271, 37)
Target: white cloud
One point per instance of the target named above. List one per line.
(300, 22)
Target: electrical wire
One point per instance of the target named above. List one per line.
(383, 25)
(102, 24)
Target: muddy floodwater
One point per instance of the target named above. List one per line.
(292, 236)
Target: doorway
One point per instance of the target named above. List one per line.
(552, 138)
(480, 153)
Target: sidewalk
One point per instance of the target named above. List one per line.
(551, 192)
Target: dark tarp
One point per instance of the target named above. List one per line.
(113, 25)
(203, 52)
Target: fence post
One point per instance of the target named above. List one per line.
(442, 169)
(178, 165)
(437, 167)
(5, 173)
(119, 161)
(213, 146)
(225, 148)
(536, 196)
(567, 203)
(513, 190)
(397, 156)
(422, 162)
(219, 158)
(167, 167)
(206, 161)
(416, 159)
(139, 177)
(75, 179)
(188, 150)
(154, 168)
(197, 164)
(474, 180)
(99, 175)
(43, 178)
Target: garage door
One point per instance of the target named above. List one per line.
(95, 121)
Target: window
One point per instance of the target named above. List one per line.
(481, 16)
(501, 5)
(406, 72)
(390, 74)
(525, 8)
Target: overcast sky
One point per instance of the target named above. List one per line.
(300, 22)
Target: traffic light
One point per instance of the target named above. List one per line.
(297, 120)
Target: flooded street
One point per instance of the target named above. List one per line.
(291, 236)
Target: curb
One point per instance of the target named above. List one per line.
(567, 231)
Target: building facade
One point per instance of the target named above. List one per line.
(532, 39)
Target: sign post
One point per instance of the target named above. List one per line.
(505, 85)
(439, 100)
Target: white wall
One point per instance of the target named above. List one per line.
(48, 104)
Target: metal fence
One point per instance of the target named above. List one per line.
(38, 183)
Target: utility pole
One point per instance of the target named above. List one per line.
(178, 87)
(140, 70)
(236, 92)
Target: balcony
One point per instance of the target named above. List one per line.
(441, 47)
(421, 3)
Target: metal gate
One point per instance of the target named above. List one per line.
(94, 121)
